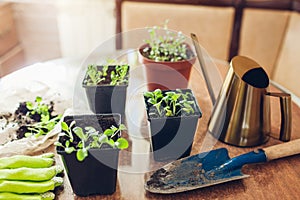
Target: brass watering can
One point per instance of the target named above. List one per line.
(241, 115)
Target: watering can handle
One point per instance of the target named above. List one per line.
(282, 150)
(286, 115)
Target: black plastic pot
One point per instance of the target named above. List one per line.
(172, 137)
(97, 173)
(106, 98)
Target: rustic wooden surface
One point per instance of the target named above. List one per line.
(278, 179)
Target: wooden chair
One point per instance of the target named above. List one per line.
(265, 30)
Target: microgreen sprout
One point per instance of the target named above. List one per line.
(43, 111)
(38, 107)
(94, 75)
(89, 138)
(118, 76)
(43, 127)
(168, 47)
(113, 74)
(171, 103)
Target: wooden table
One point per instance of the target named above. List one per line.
(278, 179)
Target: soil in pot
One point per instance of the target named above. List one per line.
(106, 98)
(97, 173)
(167, 75)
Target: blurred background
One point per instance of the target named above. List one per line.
(38, 30)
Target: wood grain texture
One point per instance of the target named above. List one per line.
(8, 32)
(278, 179)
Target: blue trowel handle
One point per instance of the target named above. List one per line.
(263, 155)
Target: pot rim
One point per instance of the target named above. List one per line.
(116, 116)
(105, 85)
(61, 152)
(197, 113)
(191, 60)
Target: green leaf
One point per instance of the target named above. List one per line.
(111, 142)
(58, 144)
(29, 105)
(148, 94)
(122, 127)
(38, 99)
(169, 113)
(69, 150)
(50, 126)
(45, 118)
(103, 138)
(80, 145)
(113, 128)
(64, 126)
(67, 144)
(152, 101)
(81, 154)
(79, 132)
(108, 132)
(28, 134)
(121, 143)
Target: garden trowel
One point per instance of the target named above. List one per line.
(211, 168)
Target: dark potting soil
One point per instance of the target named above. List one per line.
(24, 118)
(178, 174)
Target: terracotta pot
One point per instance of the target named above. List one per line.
(166, 75)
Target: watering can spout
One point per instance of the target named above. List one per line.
(210, 73)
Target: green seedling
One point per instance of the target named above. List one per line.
(89, 138)
(155, 98)
(46, 124)
(38, 107)
(172, 103)
(97, 76)
(43, 127)
(119, 76)
(169, 47)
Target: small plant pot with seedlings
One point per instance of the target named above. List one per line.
(173, 117)
(89, 147)
(106, 88)
(167, 58)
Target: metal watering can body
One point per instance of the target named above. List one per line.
(241, 114)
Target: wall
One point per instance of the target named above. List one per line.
(62, 28)
(84, 24)
(37, 30)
